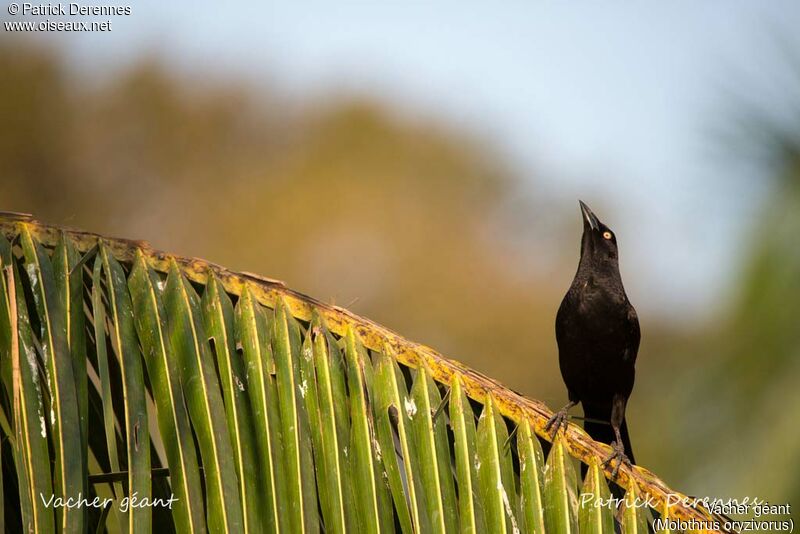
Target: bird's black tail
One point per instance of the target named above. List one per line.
(603, 432)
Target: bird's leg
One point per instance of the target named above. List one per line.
(559, 419)
(618, 448)
(618, 453)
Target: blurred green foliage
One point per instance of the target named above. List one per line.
(403, 221)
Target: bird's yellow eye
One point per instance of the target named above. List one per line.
(607, 235)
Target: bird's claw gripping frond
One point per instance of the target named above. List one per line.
(558, 421)
(618, 453)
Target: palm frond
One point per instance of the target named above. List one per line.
(269, 410)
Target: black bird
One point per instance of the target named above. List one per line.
(597, 331)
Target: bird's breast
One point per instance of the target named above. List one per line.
(598, 301)
(593, 315)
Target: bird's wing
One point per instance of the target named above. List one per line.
(634, 334)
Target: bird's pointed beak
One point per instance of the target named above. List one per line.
(589, 219)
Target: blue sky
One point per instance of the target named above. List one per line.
(613, 102)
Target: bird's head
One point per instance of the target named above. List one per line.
(598, 244)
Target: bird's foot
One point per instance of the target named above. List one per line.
(556, 422)
(618, 454)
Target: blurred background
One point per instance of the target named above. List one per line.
(421, 164)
